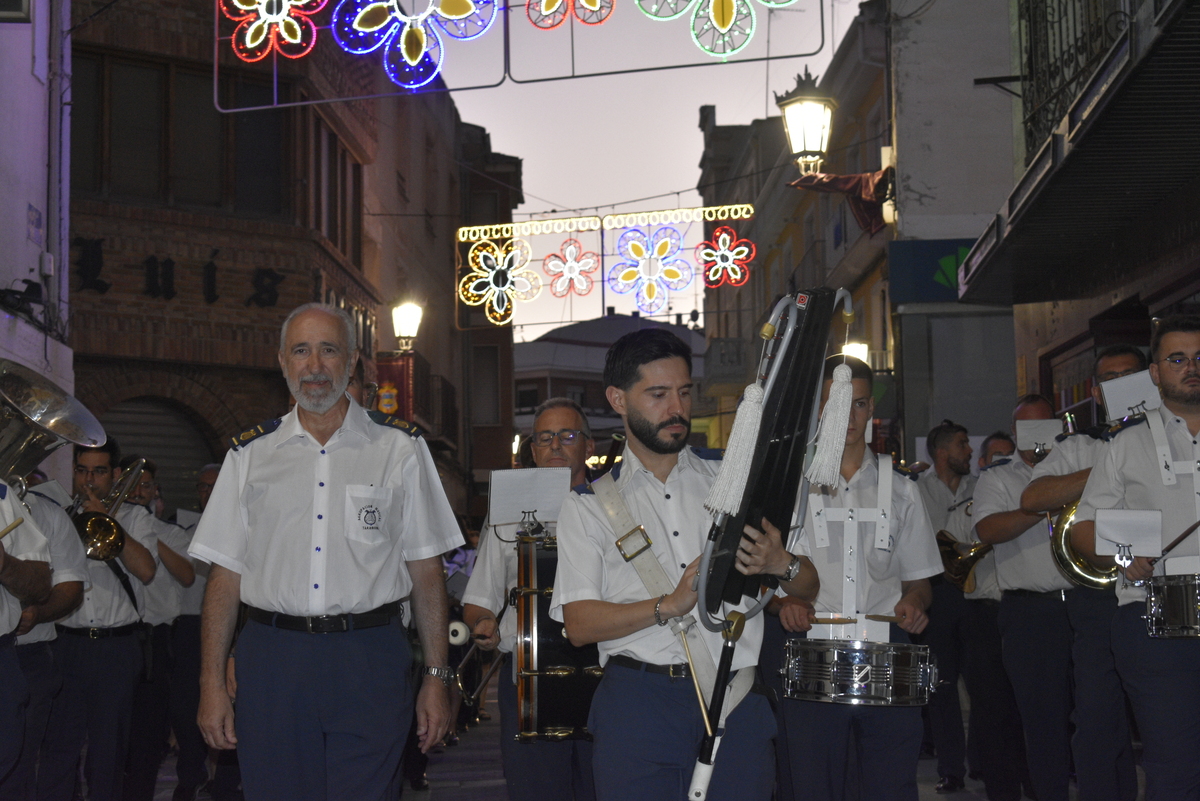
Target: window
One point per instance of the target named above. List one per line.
(485, 392)
(527, 396)
(337, 191)
(147, 130)
(576, 393)
(15, 11)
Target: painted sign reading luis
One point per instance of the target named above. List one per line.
(925, 270)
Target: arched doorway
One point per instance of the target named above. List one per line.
(159, 430)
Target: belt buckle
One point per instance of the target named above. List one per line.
(682, 668)
(93, 634)
(629, 557)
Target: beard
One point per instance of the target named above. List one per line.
(960, 467)
(1180, 393)
(315, 400)
(647, 433)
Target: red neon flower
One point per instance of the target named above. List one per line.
(266, 25)
(725, 259)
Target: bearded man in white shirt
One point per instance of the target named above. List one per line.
(321, 522)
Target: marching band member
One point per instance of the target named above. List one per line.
(539, 769)
(1035, 632)
(321, 522)
(645, 716)
(1101, 743)
(98, 649)
(896, 570)
(1161, 676)
(69, 577)
(946, 486)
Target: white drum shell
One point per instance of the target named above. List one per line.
(858, 672)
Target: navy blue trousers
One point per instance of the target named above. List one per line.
(946, 635)
(825, 739)
(190, 768)
(541, 769)
(322, 716)
(1036, 638)
(1162, 677)
(44, 681)
(94, 706)
(648, 729)
(995, 721)
(150, 725)
(771, 658)
(1101, 743)
(13, 700)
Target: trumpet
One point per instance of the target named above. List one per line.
(471, 698)
(103, 537)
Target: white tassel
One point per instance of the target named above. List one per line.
(725, 495)
(831, 432)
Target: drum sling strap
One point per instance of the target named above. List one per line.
(634, 545)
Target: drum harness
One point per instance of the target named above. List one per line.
(634, 545)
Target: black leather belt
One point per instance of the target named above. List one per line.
(99, 634)
(326, 624)
(679, 671)
(1052, 595)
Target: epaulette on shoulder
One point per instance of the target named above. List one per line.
(43, 497)
(391, 421)
(240, 440)
(996, 463)
(1121, 425)
(709, 454)
(583, 489)
(907, 472)
(3, 490)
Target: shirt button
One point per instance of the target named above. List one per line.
(675, 533)
(322, 451)
(683, 564)
(318, 548)
(668, 496)
(316, 586)
(320, 517)
(320, 483)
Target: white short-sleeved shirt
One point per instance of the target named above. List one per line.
(912, 554)
(960, 524)
(494, 574)
(68, 560)
(1023, 563)
(1128, 477)
(26, 541)
(939, 500)
(591, 569)
(326, 529)
(164, 594)
(105, 603)
(1070, 454)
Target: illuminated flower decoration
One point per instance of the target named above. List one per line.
(547, 14)
(725, 258)
(719, 27)
(266, 25)
(652, 267)
(499, 276)
(569, 269)
(412, 47)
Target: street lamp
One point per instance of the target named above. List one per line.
(406, 320)
(807, 119)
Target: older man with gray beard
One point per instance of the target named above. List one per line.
(321, 522)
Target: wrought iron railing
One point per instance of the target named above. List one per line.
(1062, 43)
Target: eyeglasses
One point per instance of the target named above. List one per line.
(1177, 362)
(80, 470)
(566, 436)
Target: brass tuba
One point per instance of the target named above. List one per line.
(1077, 569)
(959, 560)
(103, 537)
(37, 418)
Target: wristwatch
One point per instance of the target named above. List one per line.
(444, 673)
(793, 569)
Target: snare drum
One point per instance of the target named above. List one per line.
(1173, 606)
(555, 680)
(858, 672)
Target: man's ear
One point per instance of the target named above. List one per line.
(589, 448)
(616, 399)
(1154, 373)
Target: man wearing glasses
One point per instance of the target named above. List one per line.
(1101, 741)
(541, 769)
(1161, 676)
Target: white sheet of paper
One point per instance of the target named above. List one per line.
(1031, 433)
(1130, 394)
(541, 490)
(1139, 528)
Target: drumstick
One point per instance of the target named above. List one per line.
(11, 526)
(835, 621)
(1154, 561)
(897, 619)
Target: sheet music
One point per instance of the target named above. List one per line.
(541, 490)
(1130, 394)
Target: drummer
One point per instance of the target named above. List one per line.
(894, 582)
(1161, 676)
(539, 769)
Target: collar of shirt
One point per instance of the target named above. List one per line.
(631, 466)
(356, 422)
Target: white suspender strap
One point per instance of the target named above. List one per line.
(883, 501)
(1166, 465)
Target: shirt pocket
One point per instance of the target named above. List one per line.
(368, 513)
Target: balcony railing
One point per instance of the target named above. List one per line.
(1062, 42)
